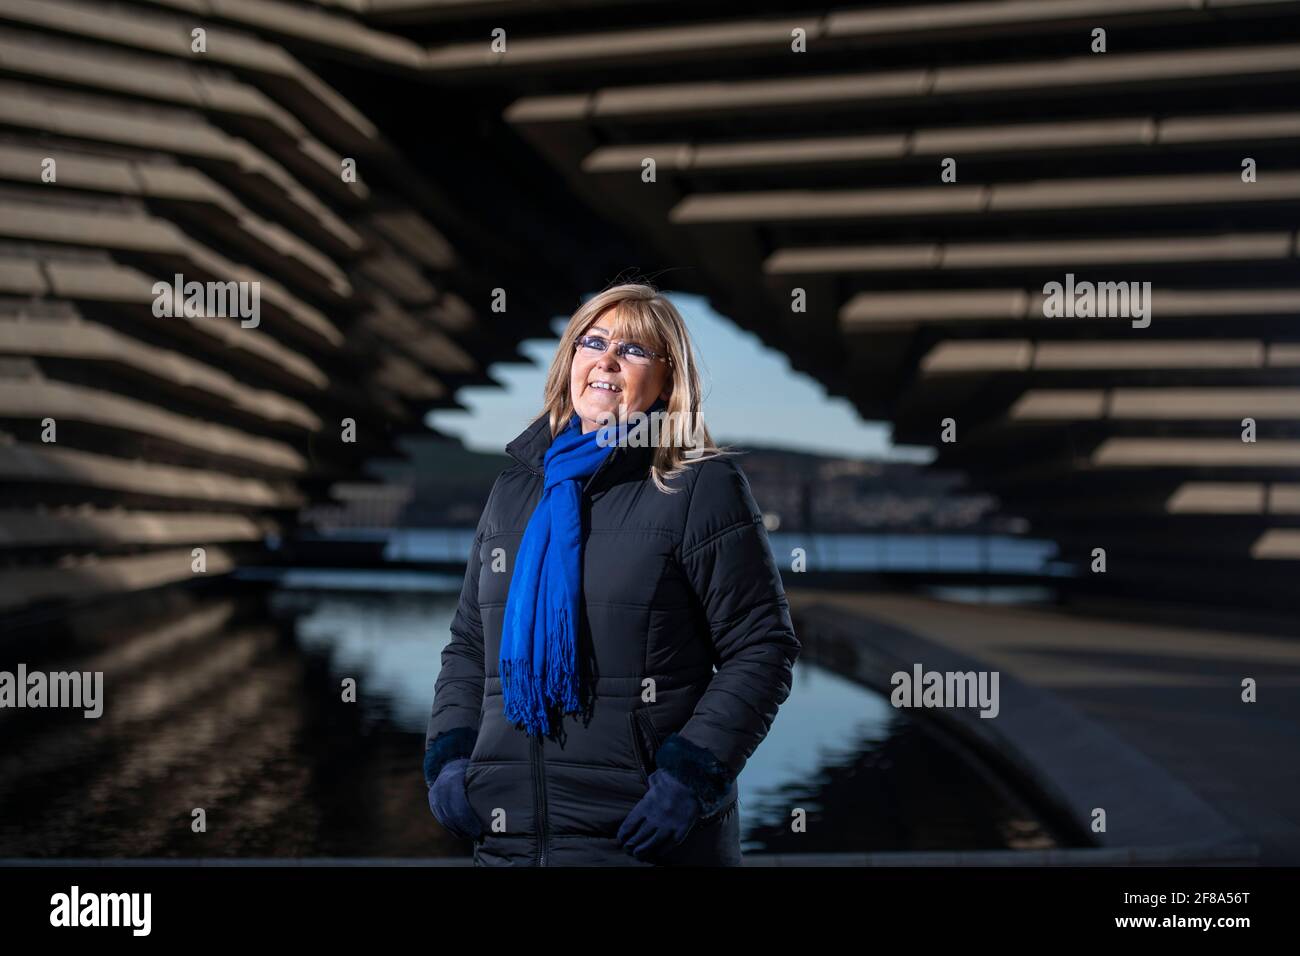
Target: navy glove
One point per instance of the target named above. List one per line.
(662, 818)
(450, 804)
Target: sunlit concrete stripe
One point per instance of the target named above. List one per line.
(1074, 76)
(97, 119)
(108, 283)
(1159, 452)
(178, 184)
(92, 67)
(1191, 499)
(917, 16)
(924, 257)
(928, 19)
(1218, 497)
(957, 357)
(22, 277)
(1119, 192)
(91, 342)
(111, 120)
(108, 528)
(1284, 498)
(1157, 403)
(103, 228)
(1243, 497)
(1277, 544)
(1284, 354)
(329, 32)
(40, 399)
(416, 237)
(402, 376)
(270, 237)
(92, 577)
(903, 308)
(421, 339)
(48, 464)
(868, 310)
(397, 275)
(427, 11)
(37, 55)
(168, 35)
(648, 46)
(1020, 139)
(836, 30)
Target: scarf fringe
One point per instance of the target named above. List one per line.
(528, 703)
(523, 705)
(561, 649)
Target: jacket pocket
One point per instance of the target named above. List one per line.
(469, 800)
(645, 742)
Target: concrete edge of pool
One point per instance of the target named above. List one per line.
(1235, 854)
(1073, 760)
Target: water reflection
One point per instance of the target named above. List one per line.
(981, 553)
(235, 705)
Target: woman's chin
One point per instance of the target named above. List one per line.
(596, 409)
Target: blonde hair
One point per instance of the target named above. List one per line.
(649, 318)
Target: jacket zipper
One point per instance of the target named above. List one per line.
(539, 775)
(539, 804)
(646, 738)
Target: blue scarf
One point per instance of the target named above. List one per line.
(539, 663)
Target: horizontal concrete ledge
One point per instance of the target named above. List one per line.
(1190, 854)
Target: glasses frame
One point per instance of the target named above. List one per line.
(621, 347)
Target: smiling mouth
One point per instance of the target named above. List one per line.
(605, 387)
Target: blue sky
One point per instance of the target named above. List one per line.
(751, 395)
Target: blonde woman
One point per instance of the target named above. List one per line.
(577, 718)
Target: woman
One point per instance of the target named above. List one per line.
(577, 719)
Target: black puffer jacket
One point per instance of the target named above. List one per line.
(672, 586)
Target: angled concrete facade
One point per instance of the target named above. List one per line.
(151, 152)
(884, 192)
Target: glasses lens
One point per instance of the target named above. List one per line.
(636, 354)
(632, 352)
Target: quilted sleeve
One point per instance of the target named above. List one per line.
(458, 692)
(726, 556)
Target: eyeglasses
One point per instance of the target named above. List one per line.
(633, 352)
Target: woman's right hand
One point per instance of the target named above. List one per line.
(450, 803)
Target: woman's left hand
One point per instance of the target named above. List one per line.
(662, 818)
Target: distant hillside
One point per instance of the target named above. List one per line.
(445, 484)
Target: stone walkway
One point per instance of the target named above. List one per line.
(1145, 721)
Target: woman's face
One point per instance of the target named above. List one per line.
(635, 387)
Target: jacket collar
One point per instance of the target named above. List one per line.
(529, 448)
